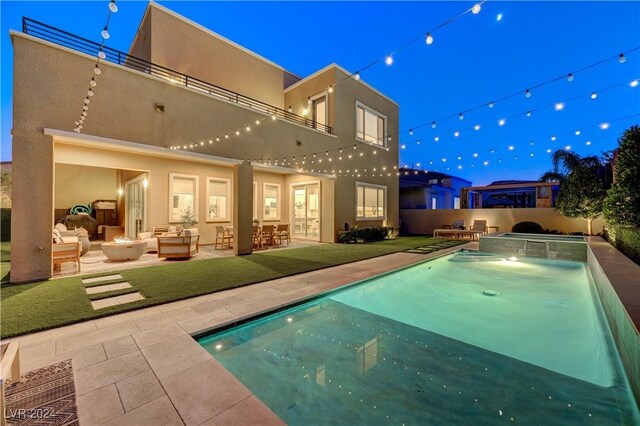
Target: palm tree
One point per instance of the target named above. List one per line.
(582, 191)
(564, 162)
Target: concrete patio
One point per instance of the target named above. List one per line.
(143, 367)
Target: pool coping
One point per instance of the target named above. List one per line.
(142, 366)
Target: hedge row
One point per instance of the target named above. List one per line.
(625, 239)
(363, 235)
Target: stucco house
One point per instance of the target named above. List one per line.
(188, 118)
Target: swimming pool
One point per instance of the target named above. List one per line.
(466, 337)
(544, 237)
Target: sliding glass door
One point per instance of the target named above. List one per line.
(306, 210)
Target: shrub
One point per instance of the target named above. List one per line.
(527, 228)
(622, 204)
(363, 235)
(625, 239)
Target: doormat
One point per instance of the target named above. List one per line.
(45, 396)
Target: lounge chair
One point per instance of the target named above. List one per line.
(152, 237)
(479, 226)
(68, 251)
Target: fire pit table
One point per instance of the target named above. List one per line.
(124, 250)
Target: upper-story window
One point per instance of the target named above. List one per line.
(320, 111)
(370, 125)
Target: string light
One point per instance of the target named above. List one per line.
(389, 60)
(501, 122)
(476, 8)
(460, 116)
(594, 95)
(604, 126)
(559, 106)
(476, 127)
(429, 39)
(634, 83)
(499, 17)
(105, 33)
(529, 114)
(570, 77)
(490, 104)
(330, 90)
(357, 76)
(527, 93)
(622, 59)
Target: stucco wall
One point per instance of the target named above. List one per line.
(425, 221)
(82, 185)
(180, 46)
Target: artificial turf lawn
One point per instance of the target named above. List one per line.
(30, 307)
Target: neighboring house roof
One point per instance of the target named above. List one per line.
(422, 178)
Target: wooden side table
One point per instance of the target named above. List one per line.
(110, 232)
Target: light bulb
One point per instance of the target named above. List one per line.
(330, 90)
(476, 127)
(501, 122)
(490, 105)
(476, 8)
(273, 117)
(634, 83)
(86, 100)
(101, 55)
(499, 17)
(217, 139)
(226, 135)
(568, 147)
(433, 125)
(485, 163)
(622, 59)
(247, 128)
(356, 76)
(389, 138)
(553, 138)
(588, 142)
(548, 151)
(437, 138)
(511, 147)
(456, 134)
(257, 122)
(93, 82)
(290, 109)
(410, 132)
(594, 95)
(604, 126)
(570, 77)
(237, 132)
(308, 101)
(112, 6)
(460, 116)
(527, 93)
(429, 39)
(559, 106)
(90, 92)
(97, 70)
(84, 108)
(475, 155)
(305, 111)
(528, 114)
(578, 132)
(389, 60)
(105, 33)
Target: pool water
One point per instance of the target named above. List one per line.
(425, 345)
(546, 237)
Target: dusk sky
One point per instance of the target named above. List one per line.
(474, 60)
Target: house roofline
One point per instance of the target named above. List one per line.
(211, 33)
(339, 68)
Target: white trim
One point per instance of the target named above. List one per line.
(196, 180)
(339, 68)
(292, 205)
(145, 214)
(213, 34)
(279, 202)
(375, 112)
(372, 185)
(255, 201)
(227, 213)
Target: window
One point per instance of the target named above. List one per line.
(218, 199)
(183, 196)
(370, 201)
(456, 202)
(320, 111)
(271, 197)
(434, 203)
(370, 125)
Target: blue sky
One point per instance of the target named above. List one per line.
(472, 61)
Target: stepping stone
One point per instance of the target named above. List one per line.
(116, 300)
(100, 279)
(107, 287)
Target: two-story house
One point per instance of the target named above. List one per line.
(190, 120)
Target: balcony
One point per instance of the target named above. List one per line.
(71, 41)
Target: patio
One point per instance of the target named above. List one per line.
(95, 262)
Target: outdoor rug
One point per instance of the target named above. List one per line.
(45, 396)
